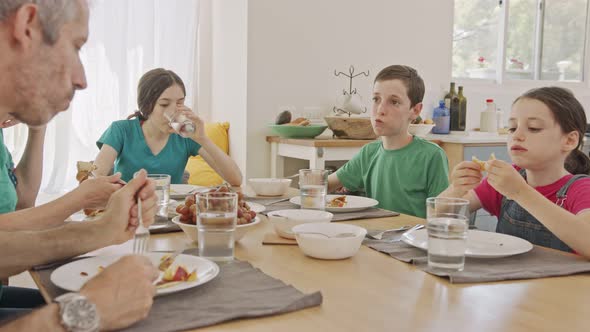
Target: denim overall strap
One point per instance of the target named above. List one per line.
(514, 220)
(562, 193)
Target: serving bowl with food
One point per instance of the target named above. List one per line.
(187, 215)
(351, 127)
(284, 126)
(420, 127)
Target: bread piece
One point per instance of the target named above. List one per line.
(304, 123)
(85, 169)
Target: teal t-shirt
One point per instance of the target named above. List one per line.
(133, 153)
(8, 196)
(400, 180)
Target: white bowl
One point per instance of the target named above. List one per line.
(269, 186)
(284, 220)
(420, 129)
(323, 247)
(191, 230)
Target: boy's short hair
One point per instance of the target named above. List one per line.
(409, 76)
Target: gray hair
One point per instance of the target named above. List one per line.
(52, 14)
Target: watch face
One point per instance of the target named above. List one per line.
(81, 315)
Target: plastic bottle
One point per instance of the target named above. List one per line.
(489, 118)
(442, 119)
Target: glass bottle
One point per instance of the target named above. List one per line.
(442, 119)
(458, 111)
(462, 110)
(449, 96)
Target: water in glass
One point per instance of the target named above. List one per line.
(162, 183)
(216, 235)
(447, 240)
(181, 124)
(163, 194)
(184, 129)
(313, 196)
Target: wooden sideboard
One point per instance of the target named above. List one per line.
(319, 150)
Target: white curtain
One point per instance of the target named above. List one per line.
(127, 38)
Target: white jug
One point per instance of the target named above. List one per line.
(489, 122)
(490, 119)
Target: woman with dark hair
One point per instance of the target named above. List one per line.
(544, 197)
(146, 140)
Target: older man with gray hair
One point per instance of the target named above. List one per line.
(40, 42)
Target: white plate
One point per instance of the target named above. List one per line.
(353, 203)
(480, 244)
(256, 207)
(69, 278)
(180, 191)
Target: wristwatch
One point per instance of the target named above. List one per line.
(77, 313)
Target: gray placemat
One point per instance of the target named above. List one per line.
(538, 263)
(239, 291)
(163, 225)
(364, 214)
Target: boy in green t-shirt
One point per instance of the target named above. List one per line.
(400, 170)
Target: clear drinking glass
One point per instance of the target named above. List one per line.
(447, 224)
(181, 124)
(216, 223)
(313, 186)
(162, 182)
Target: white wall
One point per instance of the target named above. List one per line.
(228, 99)
(291, 48)
(295, 46)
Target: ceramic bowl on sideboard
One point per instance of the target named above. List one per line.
(420, 129)
(329, 240)
(284, 220)
(289, 131)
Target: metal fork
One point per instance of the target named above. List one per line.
(416, 227)
(379, 235)
(142, 234)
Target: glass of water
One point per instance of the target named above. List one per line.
(313, 186)
(162, 182)
(216, 223)
(180, 123)
(447, 224)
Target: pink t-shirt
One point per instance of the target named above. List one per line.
(578, 194)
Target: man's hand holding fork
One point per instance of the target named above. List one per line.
(121, 217)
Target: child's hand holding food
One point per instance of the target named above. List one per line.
(465, 176)
(506, 179)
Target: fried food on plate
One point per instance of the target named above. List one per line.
(339, 201)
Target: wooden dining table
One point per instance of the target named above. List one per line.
(374, 292)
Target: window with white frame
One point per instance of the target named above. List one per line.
(520, 39)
